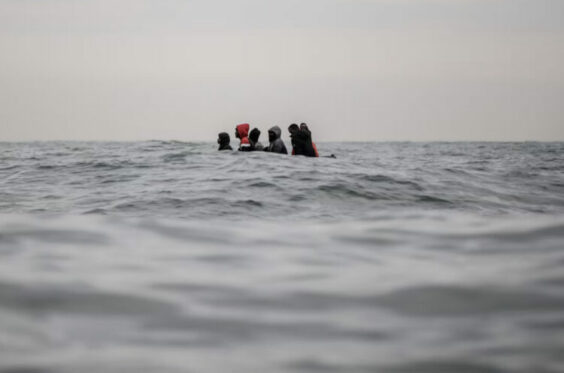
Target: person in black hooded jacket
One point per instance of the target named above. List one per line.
(276, 143)
(223, 140)
(254, 140)
(301, 141)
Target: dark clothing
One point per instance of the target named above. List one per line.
(254, 140)
(223, 141)
(302, 144)
(276, 143)
(314, 149)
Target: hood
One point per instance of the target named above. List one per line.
(277, 131)
(254, 135)
(293, 128)
(243, 130)
(224, 138)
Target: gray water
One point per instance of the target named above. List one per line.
(172, 257)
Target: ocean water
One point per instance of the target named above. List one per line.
(172, 257)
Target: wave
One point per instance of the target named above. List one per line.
(72, 300)
(403, 257)
(432, 285)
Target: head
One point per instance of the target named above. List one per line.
(254, 135)
(293, 128)
(274, 133)
(223, 138)
(303, 126)
(242, 130)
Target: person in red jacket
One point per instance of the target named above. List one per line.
(242, 133)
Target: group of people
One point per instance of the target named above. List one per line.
(249, 141)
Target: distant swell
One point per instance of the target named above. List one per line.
(194, 180)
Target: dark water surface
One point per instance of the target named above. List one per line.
(171, 257)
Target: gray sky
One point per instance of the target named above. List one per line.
(352, 69)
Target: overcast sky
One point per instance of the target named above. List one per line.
(352, 69)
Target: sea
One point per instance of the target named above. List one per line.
(169, 256)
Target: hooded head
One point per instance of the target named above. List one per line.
(242, 130)
(293, 128)
(254, 135)
(274, 133)
(223, 138)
